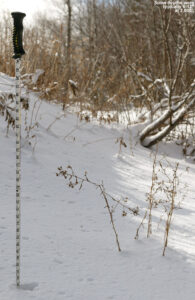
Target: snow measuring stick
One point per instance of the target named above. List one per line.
(18, 52)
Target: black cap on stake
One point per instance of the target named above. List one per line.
(17, 34)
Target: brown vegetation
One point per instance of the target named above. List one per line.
(120, 53)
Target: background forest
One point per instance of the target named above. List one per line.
(114, 56)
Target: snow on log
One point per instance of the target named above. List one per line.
(152, 140)
(158, 122)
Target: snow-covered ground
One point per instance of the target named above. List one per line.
(68, 246)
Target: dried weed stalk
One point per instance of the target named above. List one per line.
(32, 125)
(151, 197)
(7, 109)
(122, 143)
(151, 200)
(163, 192)
(170, 189)
(74, 180)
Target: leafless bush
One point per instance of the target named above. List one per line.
(7, 109)
(152, 202)
(164, 194)
(32, 124)
(74, 180)
(170, 190)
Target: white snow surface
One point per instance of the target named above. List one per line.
(68, 247)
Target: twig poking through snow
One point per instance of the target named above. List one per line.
(74, 180)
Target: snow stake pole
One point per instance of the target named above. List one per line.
(18, 52)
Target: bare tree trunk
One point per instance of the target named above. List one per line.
(69, 37)
(90, 34)
(68, 49)
(95, 24)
